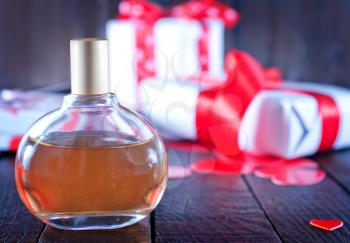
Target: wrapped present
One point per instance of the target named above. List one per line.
(147, 41)
(212, 115)
(297, 119)
(130, 65)
(19, 109)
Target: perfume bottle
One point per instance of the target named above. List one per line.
(91, 164)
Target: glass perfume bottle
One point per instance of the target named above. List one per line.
(91, 164)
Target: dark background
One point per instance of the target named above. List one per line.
(307, 39)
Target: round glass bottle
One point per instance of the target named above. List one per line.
(91, 164)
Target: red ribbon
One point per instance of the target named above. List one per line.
(142, 10)
(330, 118)
(145, 14)
(220, 109)
(207, 9)
(273, 75)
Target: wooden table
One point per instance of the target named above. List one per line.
(207, 208)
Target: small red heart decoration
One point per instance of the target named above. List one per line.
(327, 224)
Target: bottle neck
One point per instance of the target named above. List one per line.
(91, 101)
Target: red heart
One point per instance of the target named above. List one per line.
(327, 224)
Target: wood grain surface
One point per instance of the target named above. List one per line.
(338, 167)
(207, 208)
(140, 232)
(290, 209)
(16, 223)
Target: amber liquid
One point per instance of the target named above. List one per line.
(90, 173)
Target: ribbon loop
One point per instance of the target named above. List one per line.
(220, 109)
(140, 10)
(207, 9)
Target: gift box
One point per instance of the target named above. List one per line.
(20, 109)
(173, 54)
(297, 119)
(188, 110)
(181, 43)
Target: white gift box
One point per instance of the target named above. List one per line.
(19, 110)
(176, 53)
(283, 123)
(289, 124)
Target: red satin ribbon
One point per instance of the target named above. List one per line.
(142, 10)
(273, 75)
(207, 9)
(220, 109)
(330, 117)
(145, 51)
(145, 14)
(203, 44)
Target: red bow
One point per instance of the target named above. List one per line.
(140, 10)
(195, 9)
(207, 9)
(220, 110)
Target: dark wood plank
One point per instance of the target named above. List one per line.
(337, 164)
(207, 208)
(140, 232)
(16, 223)
(291, 208)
